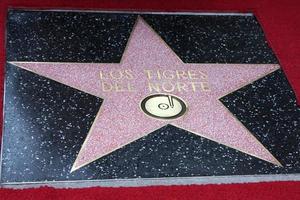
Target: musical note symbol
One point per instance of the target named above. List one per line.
(171, 101)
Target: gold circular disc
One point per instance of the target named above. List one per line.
(163, 106)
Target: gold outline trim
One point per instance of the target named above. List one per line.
(147, 179)
(16, 63)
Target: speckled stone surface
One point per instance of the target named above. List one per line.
(35, 150)
(268, 109)
(98, 37)
(67, 36)
(44, 127)
(213, 39)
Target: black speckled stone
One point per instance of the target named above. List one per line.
(213, 39)
(172, 152)
(67, 36)
(268, 109)
(99, 37)
(45, 125)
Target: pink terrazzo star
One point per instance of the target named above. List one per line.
(120, 120)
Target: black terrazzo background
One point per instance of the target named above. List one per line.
(67, 36)
(98, 37)
(172, 152)
(35, 149)
(45, 125)
(268, 109)
(213, 39)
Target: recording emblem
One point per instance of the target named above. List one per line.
(163, 106)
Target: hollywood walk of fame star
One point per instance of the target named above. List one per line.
(120, 119)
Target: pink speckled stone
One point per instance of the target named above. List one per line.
(120, 119)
